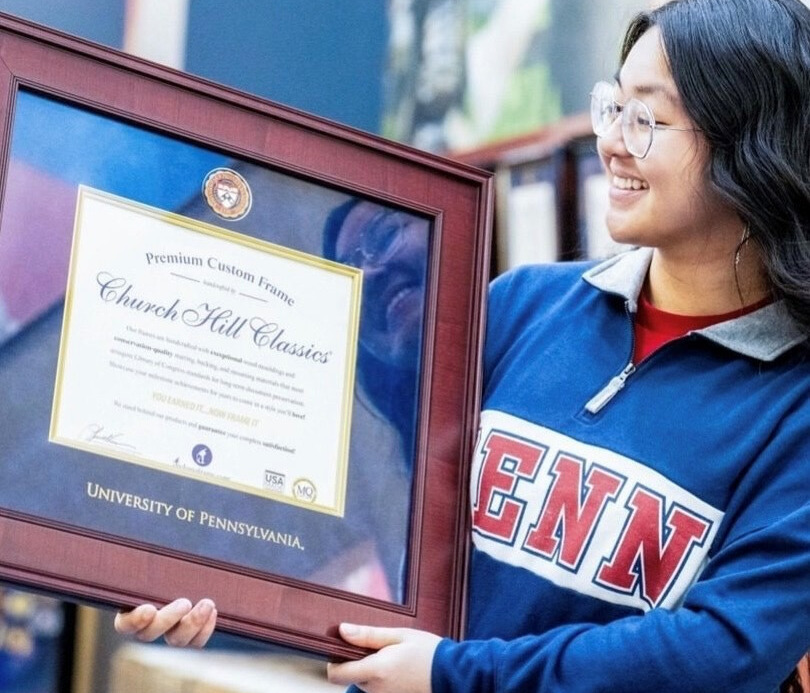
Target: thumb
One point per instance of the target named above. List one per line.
(370, 637)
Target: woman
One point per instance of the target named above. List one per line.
(640, 514)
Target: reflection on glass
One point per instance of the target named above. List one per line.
(56, 147)
(391, 248)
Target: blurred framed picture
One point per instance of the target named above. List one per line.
(528, 221)
(593, 239)
(239, 351)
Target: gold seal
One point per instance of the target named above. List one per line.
(304, 490)
(227, 193)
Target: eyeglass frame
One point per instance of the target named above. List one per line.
(619, 111)
(370, 233)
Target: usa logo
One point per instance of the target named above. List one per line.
(274, 481)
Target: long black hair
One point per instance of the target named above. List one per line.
(742, 70)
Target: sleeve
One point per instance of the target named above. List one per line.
(742, 627)
(503, 296)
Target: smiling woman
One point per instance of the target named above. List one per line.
(659, 194)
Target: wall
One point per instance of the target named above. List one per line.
(322, 56)
(319, 56)
(464, 73)
(97, 20)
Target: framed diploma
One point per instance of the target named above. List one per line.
(239, 351)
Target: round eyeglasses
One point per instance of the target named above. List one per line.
(637, 121)
(379, 239)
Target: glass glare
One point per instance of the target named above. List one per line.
(637, 120)
(379, 239)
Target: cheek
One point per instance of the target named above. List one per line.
(692, 165)
(695, 192)
(417, 243)
(375, 340)
(682, 175)
(604, 157)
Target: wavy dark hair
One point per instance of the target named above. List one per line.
(742, 69)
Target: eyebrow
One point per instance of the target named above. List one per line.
(647, 89)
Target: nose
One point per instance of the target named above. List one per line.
(612, 142)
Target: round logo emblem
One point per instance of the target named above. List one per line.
(202, 455)
(227, 193)
(304, 490)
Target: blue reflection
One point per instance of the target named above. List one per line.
(146, 166)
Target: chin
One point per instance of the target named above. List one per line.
(625, 234)
(623, 238)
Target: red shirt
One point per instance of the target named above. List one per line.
(655, 327)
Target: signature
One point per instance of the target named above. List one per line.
(96, 433)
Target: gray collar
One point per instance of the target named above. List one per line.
(764, 334)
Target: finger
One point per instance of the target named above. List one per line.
(362, 671)
(358, 672)
(195, 627)
(129, 622)
(370, 636)
(207, 630)
(164, 619)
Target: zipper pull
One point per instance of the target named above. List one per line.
(608, 392)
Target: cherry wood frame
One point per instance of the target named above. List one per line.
(87, 566)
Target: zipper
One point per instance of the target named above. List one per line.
(596, 403)
(609, 391)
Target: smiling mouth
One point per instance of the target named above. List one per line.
(387, 302)
(629, 183)
(393, 303)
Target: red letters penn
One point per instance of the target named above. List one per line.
(648, 551)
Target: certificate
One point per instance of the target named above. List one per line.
(240, 351)
(200, 352)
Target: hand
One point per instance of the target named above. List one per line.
(401, 664)
(180, 623)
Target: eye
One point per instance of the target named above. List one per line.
(643, 120)
(638, 115)
(384, 235)
(612, 109)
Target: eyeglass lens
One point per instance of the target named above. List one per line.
(379, 238)
(636, 119)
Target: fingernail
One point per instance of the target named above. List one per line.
(349, 629)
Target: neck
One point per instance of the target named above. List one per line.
(706, 283)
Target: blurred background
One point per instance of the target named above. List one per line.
(439, 74)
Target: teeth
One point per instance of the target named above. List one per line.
(629, 183)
